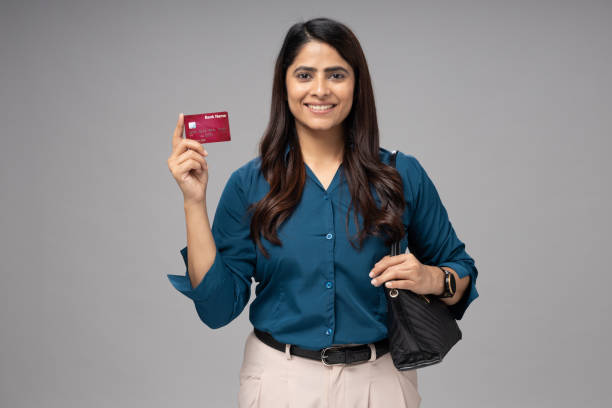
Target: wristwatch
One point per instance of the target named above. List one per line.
(449, 284)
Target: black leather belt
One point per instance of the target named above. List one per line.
(329, 355)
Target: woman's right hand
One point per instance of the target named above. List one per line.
(188, 165)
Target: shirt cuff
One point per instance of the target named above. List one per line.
(210, 284)
(458, 309)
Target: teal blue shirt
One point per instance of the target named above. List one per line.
(314, 290)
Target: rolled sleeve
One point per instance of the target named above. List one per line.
(226, 288)
(431, 236)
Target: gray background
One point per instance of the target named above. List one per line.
(506, 104)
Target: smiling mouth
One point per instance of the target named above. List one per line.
(320, 108)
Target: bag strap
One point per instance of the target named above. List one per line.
(395, 248)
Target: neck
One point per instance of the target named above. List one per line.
(320, 147)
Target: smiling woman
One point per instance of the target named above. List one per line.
(284, 219)
(320, 85)
(321, 63)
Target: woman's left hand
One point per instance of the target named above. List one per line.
(404, 271)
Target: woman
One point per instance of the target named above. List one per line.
(319, 315)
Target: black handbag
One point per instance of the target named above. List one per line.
(421, 328)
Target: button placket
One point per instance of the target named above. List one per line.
(329, 237)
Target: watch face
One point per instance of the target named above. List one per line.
(453, 284)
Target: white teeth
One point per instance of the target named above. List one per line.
(320, 107)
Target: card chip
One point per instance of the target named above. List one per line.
(192, 125)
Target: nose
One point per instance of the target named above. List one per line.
(320, 87)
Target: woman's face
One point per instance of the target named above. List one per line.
(320, 87)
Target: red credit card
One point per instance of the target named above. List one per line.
(207, 127)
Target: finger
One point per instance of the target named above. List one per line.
(408, 260)
(405, 270)
(386, 262)
(389, 274)
(191, 154)
(203, 164)
(187, 166)
(401, 284)
(198, 172)
(379, 266)
(186, 145)
(194, 145)
(178, 131)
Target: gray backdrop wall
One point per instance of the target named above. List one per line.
(506, 104)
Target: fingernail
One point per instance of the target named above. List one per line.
(373, 282)
(371, 274)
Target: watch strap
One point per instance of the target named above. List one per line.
(448, 292)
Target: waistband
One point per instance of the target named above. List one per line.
(333, 354)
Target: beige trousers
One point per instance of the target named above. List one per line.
(270, 378)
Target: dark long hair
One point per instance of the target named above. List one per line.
(361, 162)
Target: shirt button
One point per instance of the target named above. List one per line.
(326, 197)
(328, 285)
(329, 236)
(328, 331)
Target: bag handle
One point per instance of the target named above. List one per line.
(395, 248)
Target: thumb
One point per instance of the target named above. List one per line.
(178, 131)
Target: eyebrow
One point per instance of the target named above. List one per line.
(311, 69)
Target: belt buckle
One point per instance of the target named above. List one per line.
(323, 356)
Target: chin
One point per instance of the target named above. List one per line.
(320, 127)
